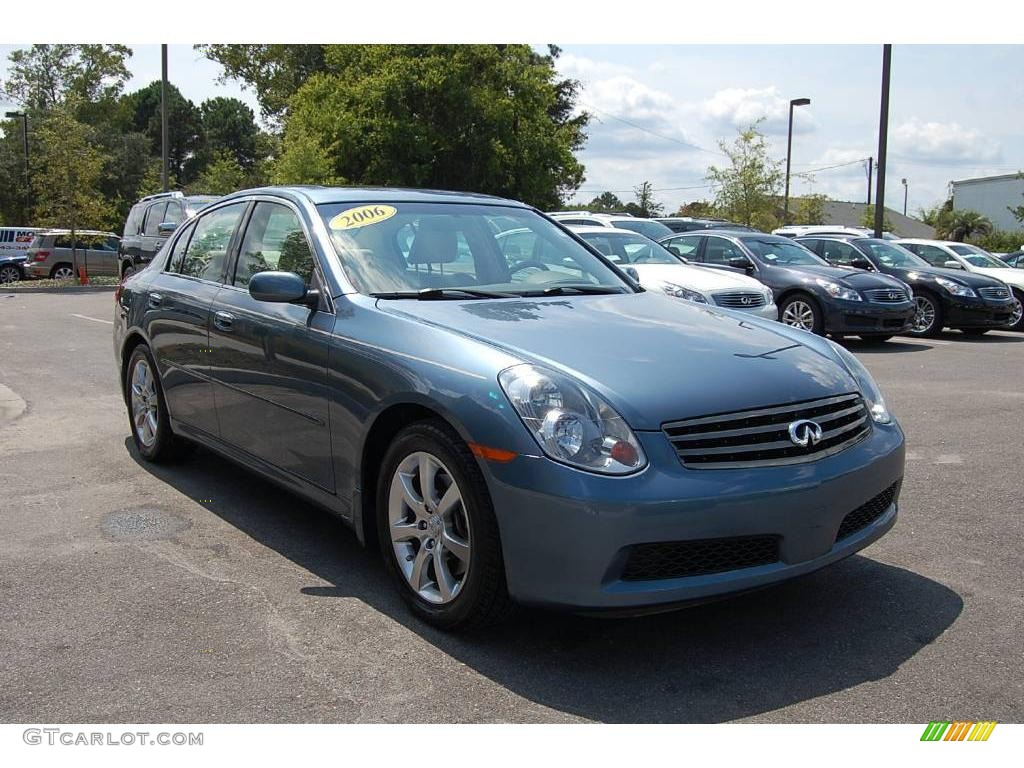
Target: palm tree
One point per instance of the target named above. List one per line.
(963, 224)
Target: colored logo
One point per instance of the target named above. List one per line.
(958, 731)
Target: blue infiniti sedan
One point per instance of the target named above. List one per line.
(510, 419)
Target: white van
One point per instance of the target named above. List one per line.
(14, 241)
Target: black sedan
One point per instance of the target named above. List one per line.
(945, 298)
(810, 293)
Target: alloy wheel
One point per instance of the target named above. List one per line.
(925, 317)
(9, 274)
(799, 314)
(63, 273)
(145, 403)
(1018, 312)
(429, 528)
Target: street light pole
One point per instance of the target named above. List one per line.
(883, 140)
(163, 117)
(904, 197)
(28, 178)
(789, 154)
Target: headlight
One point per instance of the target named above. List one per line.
(836, 291)
(683, 293)
(868, 388)
(957, 289)
(570, 423)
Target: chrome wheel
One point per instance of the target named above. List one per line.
(63, 273)
(9, 274)
(925, 317)
(145, 403)
(1018, 312)
(799, 314)
(429, 528)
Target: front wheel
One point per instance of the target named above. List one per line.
(62, 272)
(9, 274)
(1017, 319)
(928, 319)
(437, 529)
(802, 312)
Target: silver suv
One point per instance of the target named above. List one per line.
(54, 254)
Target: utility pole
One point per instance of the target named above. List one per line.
(789, 154)
(904, 197)
(883, 140)
(871, 167)
(28, 179)
(163, 117)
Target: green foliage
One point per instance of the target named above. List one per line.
(480, 118)
(221, 176)
(43, 77)
(141, 111)
(746, 190)
(966, 223)
(229, 127)
(303, 160)
(606, 202)
(811, 209)
(645, 203)
(698, 209)
(867, 219)
(66, 175)
(999, 241)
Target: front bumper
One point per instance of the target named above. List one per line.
(566, 534)
(976, 312)
(769, 311)
(856, 317)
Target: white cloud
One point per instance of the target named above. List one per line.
(948, 142)
(583, 68)
(737, 108)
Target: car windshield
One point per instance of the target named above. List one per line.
(781, 252)
(446, 250)
(652, 229)
(629, 249)
(977, 257)
(890, 255)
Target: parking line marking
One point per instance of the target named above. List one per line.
(94, 319)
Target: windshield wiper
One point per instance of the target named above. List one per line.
(557, 290)
(428, 294)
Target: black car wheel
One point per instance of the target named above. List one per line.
(437, 529)
(9, 274)
(928, 320)
(147, 410)
(802, 311)
(127, 272)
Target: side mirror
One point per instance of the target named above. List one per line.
(166, 228)
(861, 264)
(952, 264)
(631, 271)
(281, 288)
(738, 262)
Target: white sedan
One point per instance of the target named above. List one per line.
(659, 268)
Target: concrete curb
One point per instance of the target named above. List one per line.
(11, 405)
(64, 289)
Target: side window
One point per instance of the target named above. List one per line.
(934, 256)
(207, 250)
(835, 252)
(178, 253)
(134, 223)
(112, 243)
(274, 241)
(62, 241)
(812, 245)
(577, 222)
(154, 216)
(174, 213)
(720, 251)
(684, 246)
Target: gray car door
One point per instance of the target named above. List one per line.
(269, 360)
(178, 314)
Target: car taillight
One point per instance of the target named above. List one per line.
(41, 256)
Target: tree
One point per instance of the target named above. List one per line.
(965, 223)
(606, 202)
(867, 219)
(697, 209)
(645, 201)
(43, 77)
(229, 126)
(66, 175)
(303, 160)
(141, 112)
(811, 209)
(746, 190)
(221, 176)
(482, 118)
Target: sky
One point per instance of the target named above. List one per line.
(659, 111)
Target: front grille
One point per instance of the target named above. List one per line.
(994, 292)
(676, 559)
(887, 295)
(867, 513)
(740, 299)
(761, 437)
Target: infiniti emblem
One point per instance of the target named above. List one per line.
(893, 296)
(746, 300)
(805, 433)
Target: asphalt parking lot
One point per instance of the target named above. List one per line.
(198, 593)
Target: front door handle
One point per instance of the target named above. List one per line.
(155, 300)
(223, 320)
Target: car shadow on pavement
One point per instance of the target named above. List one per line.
(885, 347)
(987, 338)
(853, 622)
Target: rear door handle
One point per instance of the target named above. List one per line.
(155, 299)
(223, 320)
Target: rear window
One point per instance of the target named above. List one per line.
(647, 227)
(134, 223)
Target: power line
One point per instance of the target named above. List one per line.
(653, 133)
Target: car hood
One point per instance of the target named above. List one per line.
(851, 278)
(1014, 277)
(696, 278)
(972, 279)
(653, 357)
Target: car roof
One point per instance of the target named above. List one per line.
(583, 230)
(922, 241)
(77, 232)
(319, 195)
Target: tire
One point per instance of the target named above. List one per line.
(920, 328)
(974, 331)
(803, 312)
(62, 271)
(9, 274)
(152, 435)
(127, 271)
(470, 590)
(1018, 312)
(878, 338)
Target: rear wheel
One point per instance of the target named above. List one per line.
(147, 410)
(127, 271)
(62, 272)
(437, 529)
(928, 320)
(9, 274)
(801, 311)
